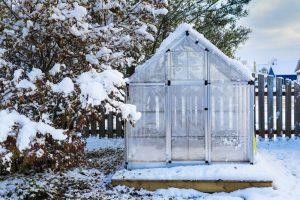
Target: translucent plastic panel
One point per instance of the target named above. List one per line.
(188, 122)
(187, 65)
(187, 61)
(219, 70)
(155, 72)
(222, 71)
(146, 140)
(187, 44)
(230, 122)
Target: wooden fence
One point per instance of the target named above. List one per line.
(277, 107)
(111, 126)
(277, 111)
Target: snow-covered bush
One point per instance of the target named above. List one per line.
(63, 61)
(26, 144)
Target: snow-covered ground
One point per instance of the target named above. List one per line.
(283, 159)
(94, 143)
(92, 181)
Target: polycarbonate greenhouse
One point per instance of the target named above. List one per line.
(196, 104)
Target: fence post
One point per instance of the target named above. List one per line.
(279, 106)
(102, 126)
(93, 125)
(119, 125)
(261, 104)
(110, 125)
(270, 107)
(86, 130)
(288, 92)
(297, 108)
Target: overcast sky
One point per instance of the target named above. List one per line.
(275, 33)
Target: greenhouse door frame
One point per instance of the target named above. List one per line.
(201, 83)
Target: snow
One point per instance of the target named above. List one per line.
(25, 84)
(96, 86)
(56, 69)
(92, 59)
(181, 32)
(103, 51)
(143, 31)
(94, 143)
(61, 13)
(162, 11)
(78, 12)
(35, 74)
(17, 74)
(279, 159)
(2, 62)
(27, 129)
(2, 51)
(282, 156)
(39, 153)
(80, 29)
(66, 86)
(258, 171)
(129, 111)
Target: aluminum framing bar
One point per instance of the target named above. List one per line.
(252, 132)
(208, 113)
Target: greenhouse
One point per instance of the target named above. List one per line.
(196, 104)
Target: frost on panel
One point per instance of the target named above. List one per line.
(146, 140)
(187, 61)
(230, 122)
(153, 72)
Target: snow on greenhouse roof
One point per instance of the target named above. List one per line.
(181, 32)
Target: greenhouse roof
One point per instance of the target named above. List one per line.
(180, 32)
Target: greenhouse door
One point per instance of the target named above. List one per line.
(187, 105)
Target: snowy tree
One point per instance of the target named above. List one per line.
(215, 19)
(62, 61)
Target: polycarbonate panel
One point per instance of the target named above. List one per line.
(187, 61)
(187, 44)
(219, 70)
(222, 71)
(230, 122)
(154, 73)
(188, 122)
(147, 139)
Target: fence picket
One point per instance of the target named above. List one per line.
(102, 126)
(270, 106)
(119, 126)
(288, 107)
(279, 106)
(297, 109)
(110, 125)
(261, 104)
(93, 125)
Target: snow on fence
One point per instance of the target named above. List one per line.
(277, 107)
(277, 111)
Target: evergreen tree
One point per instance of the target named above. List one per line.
(215, 19)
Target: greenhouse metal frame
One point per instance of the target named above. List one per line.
(197, 106)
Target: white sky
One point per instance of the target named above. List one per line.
(275, 33)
